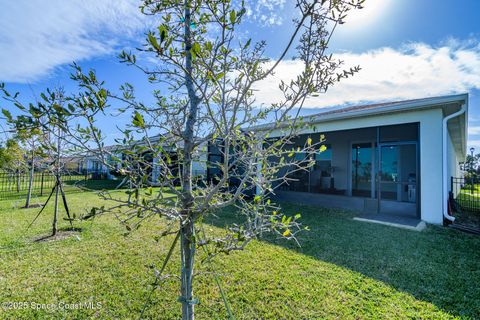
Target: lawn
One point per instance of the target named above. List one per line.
(345, 269)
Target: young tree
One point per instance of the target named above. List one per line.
(206, 76)
(31, 140)
(43, 124)
(471, 165)
(12, 160)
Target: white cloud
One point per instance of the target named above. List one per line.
(414, 71)
(474, 130)
(266, 12)
(36, 36)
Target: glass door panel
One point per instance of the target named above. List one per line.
(398, 177)
(389, 172)
(362, 169)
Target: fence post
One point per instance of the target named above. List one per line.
(471, 191)
(41, 184)
(451, 186)
(18, 180)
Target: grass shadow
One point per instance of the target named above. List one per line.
(438, 265)
(96, 185)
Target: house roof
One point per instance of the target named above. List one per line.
(458, 127)
(338, 113)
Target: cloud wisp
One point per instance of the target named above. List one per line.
(416, 70)
(37, 36)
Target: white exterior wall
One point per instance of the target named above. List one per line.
(431, 162)
(431, 203)
(453, 159)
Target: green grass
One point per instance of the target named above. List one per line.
(469, 203)
(345, 269)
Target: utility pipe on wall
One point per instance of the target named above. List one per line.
(446, 215)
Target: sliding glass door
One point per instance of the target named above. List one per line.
(398, 177)
(362, 169)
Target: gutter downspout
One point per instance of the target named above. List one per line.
(444, 162)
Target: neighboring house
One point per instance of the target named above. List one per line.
(199, 165)
(91, 163)
(72, 163)
(391, 159)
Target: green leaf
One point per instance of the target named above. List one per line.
(153, 41)
(102, 93)
(7, 114)
(57, 108)
(219, 76)
(195, 49)
(163, 32)
(286, 233)
(233, 16)
(138, 120)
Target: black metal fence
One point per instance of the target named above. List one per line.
(14, 185)
(465, 193)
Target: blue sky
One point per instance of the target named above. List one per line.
(406, 48)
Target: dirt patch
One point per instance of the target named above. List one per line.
(61, 235)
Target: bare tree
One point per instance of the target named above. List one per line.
(31, 140)
(206, 76)
(44, 124)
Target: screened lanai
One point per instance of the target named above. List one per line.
(375, 170)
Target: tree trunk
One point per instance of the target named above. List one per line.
(188, 256)
(30, 181)
(57, 185)
(188, 219)
(55, 208)
(18, 180)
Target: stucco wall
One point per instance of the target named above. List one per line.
(452, 160)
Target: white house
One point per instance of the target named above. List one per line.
(392, 161)
(91, 163)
